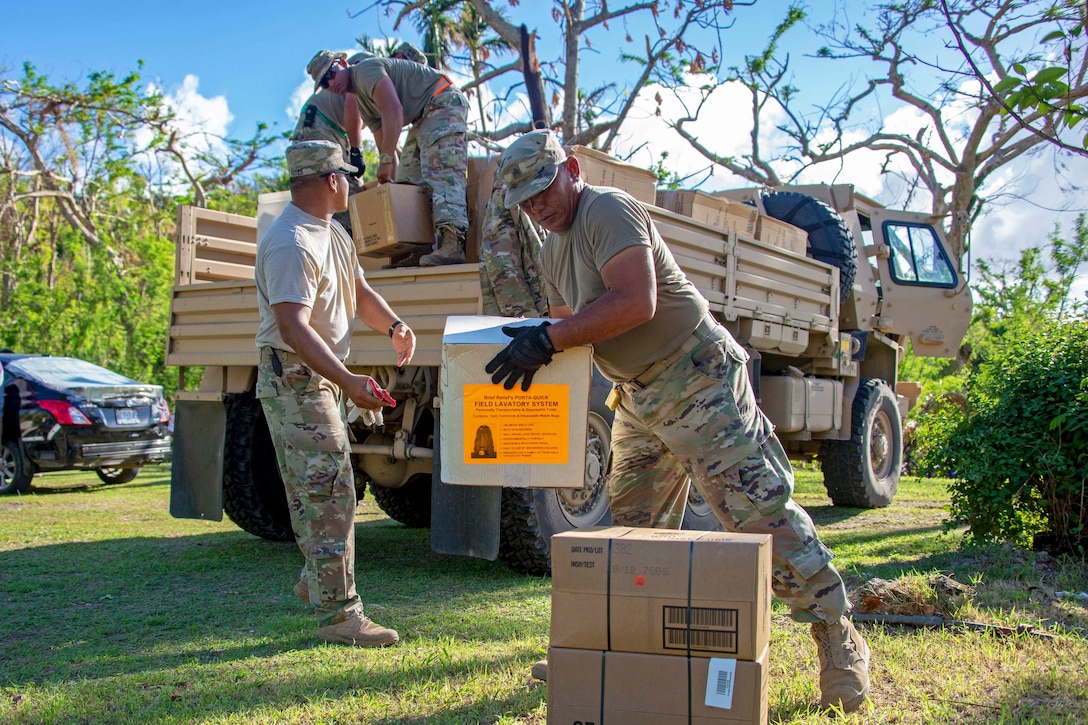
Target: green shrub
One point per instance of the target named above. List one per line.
(1017, 453)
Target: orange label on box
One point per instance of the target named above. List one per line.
(511, 426)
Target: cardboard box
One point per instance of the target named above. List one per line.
(491, 436)
(782, 235)
(731, 216)
(661, 591)
(391, 219)
(588, 686)
(600, 169)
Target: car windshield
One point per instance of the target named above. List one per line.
(66, 372)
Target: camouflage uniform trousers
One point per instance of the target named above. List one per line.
(435, 155)
(307, 424)
(698, 422)
(510, 261)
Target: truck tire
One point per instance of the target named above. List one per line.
(829, 239)
(111, 475)
(16, 470)
(253, 493)
(864, 471)
(410, 504)
(531, 516)
(698, 516)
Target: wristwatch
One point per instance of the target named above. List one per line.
(385, 159)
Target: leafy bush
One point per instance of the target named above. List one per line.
(1018, 451)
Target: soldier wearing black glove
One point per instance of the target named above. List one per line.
(530, 349)
(355, 158)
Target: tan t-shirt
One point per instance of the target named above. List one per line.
(415, 85)
(606, 222)
(307, 261)
(328, 123)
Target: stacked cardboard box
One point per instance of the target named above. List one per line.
(731, 216)
(659, 626)
(782, 235)
(601, 169)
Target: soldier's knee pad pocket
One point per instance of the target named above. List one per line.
(810, 558)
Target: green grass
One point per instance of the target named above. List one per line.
(114, 612)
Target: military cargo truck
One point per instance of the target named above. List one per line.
(826, 326)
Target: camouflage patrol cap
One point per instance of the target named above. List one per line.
(529, 165)
(409, 52)
(319, 65)
(306, 158)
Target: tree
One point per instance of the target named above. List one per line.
(86, 215)
(965, 133)
(596, 115)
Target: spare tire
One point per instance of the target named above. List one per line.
(829, 239)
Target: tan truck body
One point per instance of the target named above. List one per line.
(820, 359)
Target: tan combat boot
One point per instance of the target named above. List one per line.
(451, 251)
(302, 590)
(358, 631)
(844, 664)
(540, 670)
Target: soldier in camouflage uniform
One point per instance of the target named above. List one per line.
(685, 409)
(326, 117)
(393, 93)
(309, 288)
(510, 261)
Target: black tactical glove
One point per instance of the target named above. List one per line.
(355, 158)
(530, 349)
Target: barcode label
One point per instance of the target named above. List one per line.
(711, 629)
(720, 680)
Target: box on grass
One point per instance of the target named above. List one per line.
(390, 219)
(601, 169)
(491, 436)
(660, 591)
(591, 686)
(730, 216)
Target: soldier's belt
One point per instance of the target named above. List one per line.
(699, 334)
(443, 85)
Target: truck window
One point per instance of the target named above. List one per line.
(917, 257)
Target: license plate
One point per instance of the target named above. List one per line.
(127, 416)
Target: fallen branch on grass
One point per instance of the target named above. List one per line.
(921, 620)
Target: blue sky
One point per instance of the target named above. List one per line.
(237, 63)
(253, 54)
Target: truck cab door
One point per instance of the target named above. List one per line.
(924, 296)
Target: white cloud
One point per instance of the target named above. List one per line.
(1026, 197)
(201, 124)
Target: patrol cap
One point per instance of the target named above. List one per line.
(409, 52)
(319, 65)
(529, 165)
(306, 158)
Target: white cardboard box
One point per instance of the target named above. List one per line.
(491, 436)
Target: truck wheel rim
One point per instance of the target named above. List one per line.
(585, 506)
(879, 446)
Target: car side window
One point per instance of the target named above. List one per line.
(917, 257)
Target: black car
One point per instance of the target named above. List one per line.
(62, 413)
